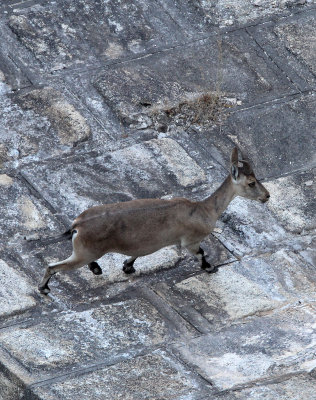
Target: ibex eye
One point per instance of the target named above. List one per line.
(252, 184)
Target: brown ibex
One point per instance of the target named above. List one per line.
(140, 227)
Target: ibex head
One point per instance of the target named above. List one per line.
(245, 182)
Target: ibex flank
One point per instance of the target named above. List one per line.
(140, 227)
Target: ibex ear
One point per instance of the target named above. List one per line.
(234, 164)
(234, 156)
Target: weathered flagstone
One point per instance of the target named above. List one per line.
(9, 387)
(309, 254)
(41, 123)
(279, 138)
(247, 227)
(15, 291)
(84, 337)
(22, 213)
(264, 347)
(230, 13)
(241, 289)
(293, 201)
(140, 171)
(290, 42)
(153, 376)
(299, 37)
(225, 66)
(295, 388)
(77, 33)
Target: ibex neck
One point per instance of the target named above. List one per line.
(217, 203)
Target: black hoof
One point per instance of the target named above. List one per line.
(208, 267)
(95, 268)
(44, 289)
(211, 269)
(128, 268)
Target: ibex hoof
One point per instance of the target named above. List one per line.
(95, 268)
(128, 269)
(44, 289)
(209, 268)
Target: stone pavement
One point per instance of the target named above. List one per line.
(112, 100)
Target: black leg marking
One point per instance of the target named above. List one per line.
(44, 289)
(95, 268)
(128, 267)
(205, 265)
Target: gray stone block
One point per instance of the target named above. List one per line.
(78, 339)
(295, 388)
(290, 42)
(22, 213)
(150, 169)
(81, 33)
(293, 201)
(242, 12)
(225, 66)
(278, 138)
(246, 288)
(153, 376)
(266, 347)
(16, 291)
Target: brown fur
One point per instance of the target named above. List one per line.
(140, 227)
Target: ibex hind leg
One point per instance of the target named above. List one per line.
(205, 264)
(95, 268)
(73, 262)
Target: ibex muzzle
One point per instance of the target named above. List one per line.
(140, 227)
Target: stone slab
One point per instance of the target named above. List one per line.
(278, 137)
(145, 170)
(293, 201)
(242, 289)
(248, 227)
(309, 253)
(295, 388)
(231, 13)
(16, 291)
(38, 123)
(225, 65)
(72, 339)
(264, 347)
(153, 376)
(299, 36)
(11, 74)
(9, 387)
(22, 213)
(290, 42)
(82, 33)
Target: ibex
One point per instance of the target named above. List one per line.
(140, 227)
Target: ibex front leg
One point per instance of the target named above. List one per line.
(204, 264)
(197, 250)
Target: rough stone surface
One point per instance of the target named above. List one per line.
(227, 13)
(14, 301)
(155, 375)
(211, 65)
(22, 213)
(118, 176)
(62, 341)
(281, 343)
(302, 387)
(108, 101)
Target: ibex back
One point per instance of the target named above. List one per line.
(140, 227)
